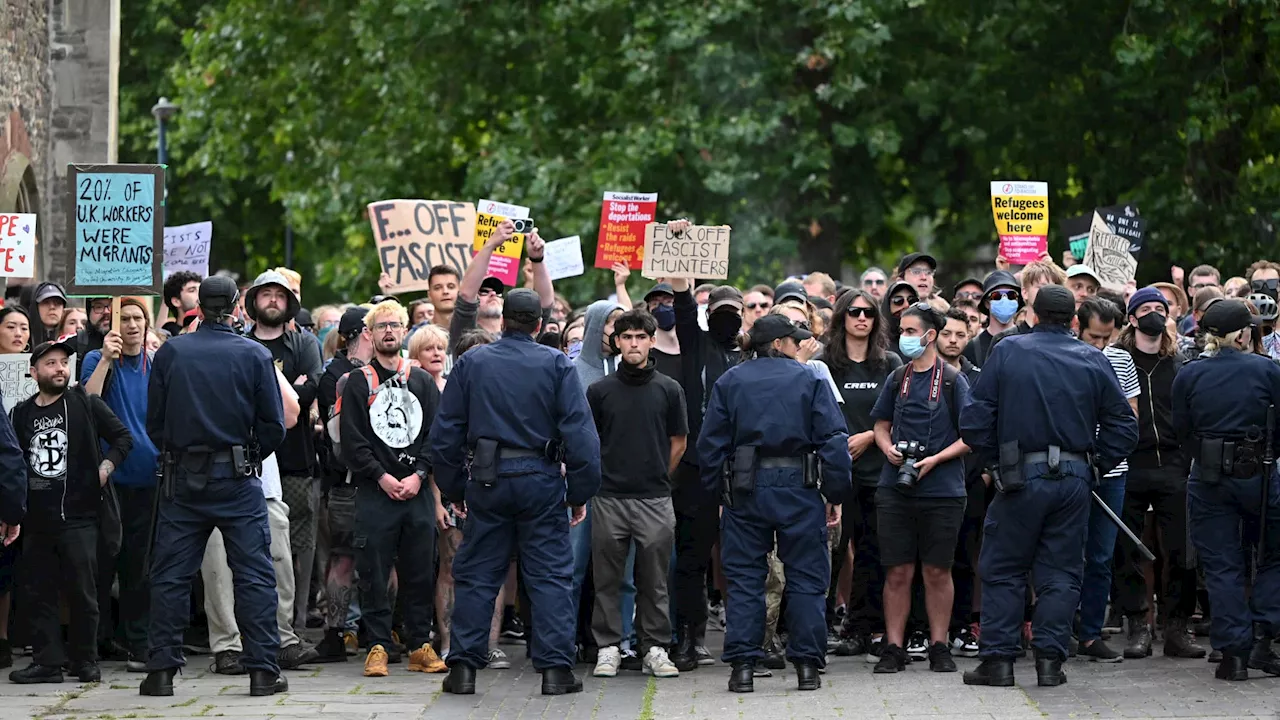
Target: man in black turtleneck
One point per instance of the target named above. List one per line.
(640, 415)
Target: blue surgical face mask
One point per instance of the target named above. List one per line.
(1004, 309)
(666, 316)
(912, 347)
(575, 349)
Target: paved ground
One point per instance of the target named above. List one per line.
(1155, 688)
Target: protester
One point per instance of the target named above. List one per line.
(1082, 282)
(60, 428)
(755, 304)
(1001, 301)
(666, 346)
(15, 330)
(443, 294)
(819, 284)
(874, 281)
(428, 349)
(45, 310)
(95, 331)
(13, 480)
(969, 289)
(73, 321)
(917, 269)
(180, 293)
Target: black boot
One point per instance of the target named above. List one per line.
(700, 651)
(1263, 657)
(158, 683)
(333, 648)
(461, 680)
(266, 682)
(684, 657)
(1139, 645)
(86, 672)
(1049, 670)
(993, 671)
(773, 657)
(1234, 666)
(34, 673)
(1179, 642)
(560, 681)
(742, 677)
(807, 677)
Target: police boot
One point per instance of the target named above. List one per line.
(993, 671)
(807, 677)
(266, 682)
(560, 681)
(461, 680)
(1178, 641)
(742, 677)
(158, 683)
(1263, 657)
(684, 657)
(1139, 639)
(1234, 666)
(1049, 670)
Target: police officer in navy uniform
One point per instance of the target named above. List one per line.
(213, 410)
(1220, 404)
(510, 414)
(1044, 403)
(773, 416)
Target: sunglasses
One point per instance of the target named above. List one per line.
(968, 295)
(760, 305)
(1264, 285)
(863, 312)
(1004, 295)
(877, 282)
(902, 300)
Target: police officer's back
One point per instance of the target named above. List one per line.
(1221, 404)
(214, 408)
(1044, 404)
(508, 414)
(773, 416)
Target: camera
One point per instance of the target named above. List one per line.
(908, 475)
(523, 225)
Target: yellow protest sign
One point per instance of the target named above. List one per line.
(504, 264)
(1021, 211)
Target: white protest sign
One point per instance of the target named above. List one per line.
(1108, 255)
(186, 247)
(16, 384)
(701, 251)
(506, 210)
(563, 258)
(17, 245)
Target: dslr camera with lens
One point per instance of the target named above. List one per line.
(908, 474)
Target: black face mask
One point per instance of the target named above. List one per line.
(1151, 324)
(724, 326)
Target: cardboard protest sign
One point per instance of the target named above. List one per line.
(701, 251)
(1125, 222)
(622, 228)
(17, 245)
(186, 247)
(504, 263)
(1108, 255)
(1021, 211)
(1076, 230)
(563, 258)
(15, 382)
(117, 226)
(415, 235)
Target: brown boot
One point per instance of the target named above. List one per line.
(375, 664)
(425, 660)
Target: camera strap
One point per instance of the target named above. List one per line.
(942, 378)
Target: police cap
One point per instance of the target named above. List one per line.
(772, 327)
(522, 305)
(218, 294)
(1227, 316)
(1055, 300)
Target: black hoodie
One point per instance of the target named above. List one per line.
(1158, 445)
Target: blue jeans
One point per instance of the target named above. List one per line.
(1098, 551)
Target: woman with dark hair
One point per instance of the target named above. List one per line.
(855, 349)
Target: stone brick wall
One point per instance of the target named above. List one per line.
(24, 105)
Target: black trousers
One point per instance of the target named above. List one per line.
(866, 611)
(130, 567)
(62, 560)
(697, 527)
(400, 533)
(1165, 490)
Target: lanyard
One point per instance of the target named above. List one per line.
(935, 382)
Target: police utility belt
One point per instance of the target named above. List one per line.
(198, 461)
(739, 471)
(487, 452)
(1220, 458)
(1010, 476)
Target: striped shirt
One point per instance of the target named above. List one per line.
(1127, 373)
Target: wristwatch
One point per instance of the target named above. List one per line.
(422, 474)
(536, 259)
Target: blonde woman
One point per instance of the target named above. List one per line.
(427, 347)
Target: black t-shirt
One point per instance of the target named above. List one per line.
(297, 454)
(666, 363)
(636, 424)
(860, 387)
(47, 450)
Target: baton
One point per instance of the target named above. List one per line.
(1124, 528)
(1268, 468)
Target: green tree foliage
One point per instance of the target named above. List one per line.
(823, 131)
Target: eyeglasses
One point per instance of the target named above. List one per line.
(760, 305)
(902, 300)
(1004, 294)
(968, 295)
(865, 312)
(99, 307)
(802, 324)
(392, 325)
(486, 292)
(920, 271)
(874, 282)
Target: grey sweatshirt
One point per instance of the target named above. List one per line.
(591, 363)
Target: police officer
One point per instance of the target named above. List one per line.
(1043, 403)
(509, 414)
(775, 418)
(1220, 410)
(213, 410)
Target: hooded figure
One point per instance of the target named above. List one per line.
(270, 277)
(30, 299)
(891, 327)
(592, 363)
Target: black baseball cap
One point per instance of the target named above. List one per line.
(44, 348)
(660, 289)
(1054, 299)
(1224, 317)
(966, 281)
(771, 327)
(218, 292)
(49, 290)
(522, 305)
(493, 284)
(352, 322)
(790, 290)
(912, 258)
(723, 295)
(303, 318)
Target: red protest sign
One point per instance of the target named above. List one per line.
(622, 221)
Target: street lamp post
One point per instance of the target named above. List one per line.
(162, 111)
(288, 225)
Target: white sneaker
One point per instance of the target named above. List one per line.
(498, 660)
(657, 664)
(607, 662)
